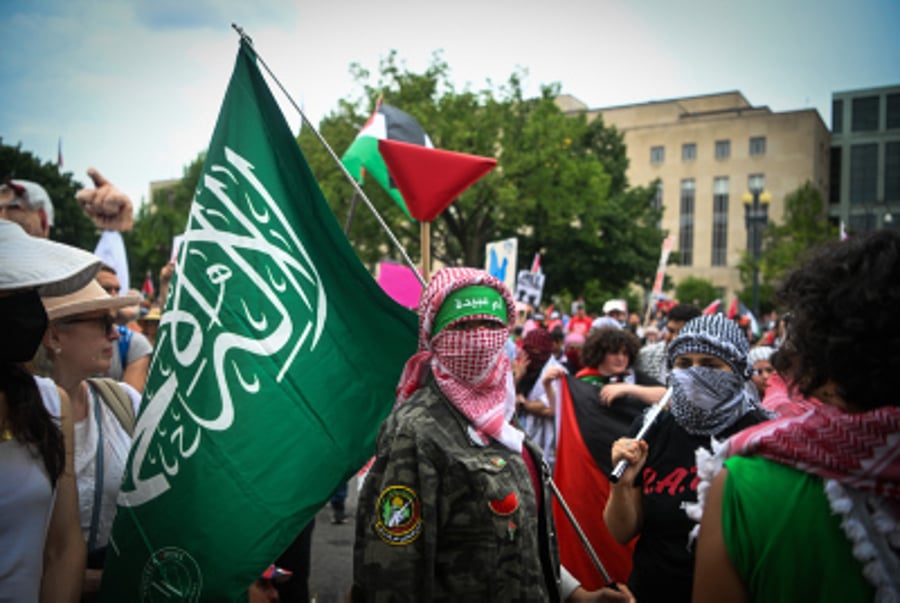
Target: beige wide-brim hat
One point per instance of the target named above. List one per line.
(52, 268)
(89, 298)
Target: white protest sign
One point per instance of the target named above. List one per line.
(530, 287)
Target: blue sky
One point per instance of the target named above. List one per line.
(134, 87)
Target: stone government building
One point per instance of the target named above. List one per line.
(709, 152)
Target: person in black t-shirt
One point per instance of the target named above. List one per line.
(709, 369)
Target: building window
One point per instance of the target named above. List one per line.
(893, 111)
(837, 116)
(865, 114)
(862, 222)
(758, 145)
(720, 222)
(723, 149)
(686, 223)
(834, 181)
(657, 154)
(658, 198)
(688, 151)
(756, 182)
(892, 171)
(863, 173)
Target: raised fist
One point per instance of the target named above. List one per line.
(107, 206)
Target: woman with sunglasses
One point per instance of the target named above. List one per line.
(79, 344)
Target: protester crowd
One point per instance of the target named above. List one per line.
(461, 500)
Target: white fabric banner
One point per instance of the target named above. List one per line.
(111, 249)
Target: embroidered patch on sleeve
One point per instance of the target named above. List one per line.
(398, 515)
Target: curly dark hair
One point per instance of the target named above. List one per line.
(844, 321)
(604, 340)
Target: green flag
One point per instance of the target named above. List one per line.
(275, 363)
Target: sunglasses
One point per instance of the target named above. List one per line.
(106, 321)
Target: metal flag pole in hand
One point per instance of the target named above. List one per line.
(581, 535)
(358, 190)
(649, 419)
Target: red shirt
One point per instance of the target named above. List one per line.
(582, 325)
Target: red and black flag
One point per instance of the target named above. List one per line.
(587, 430)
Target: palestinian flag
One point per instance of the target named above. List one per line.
(147, 288)
(587, 431)
(386, 123)
(715, 307)
(737, 310)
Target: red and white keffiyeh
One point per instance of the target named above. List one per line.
(470, 367)
(859, 450)
(857, 455)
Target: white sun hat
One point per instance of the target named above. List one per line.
(89, 298)
(52, 268)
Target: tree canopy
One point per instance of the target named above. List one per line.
(70, 224)
(805, 226)
(559, 185)
(149, 244)
(698, 291)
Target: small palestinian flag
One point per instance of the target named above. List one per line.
(386, 123)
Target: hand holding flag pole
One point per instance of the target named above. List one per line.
(649, 419)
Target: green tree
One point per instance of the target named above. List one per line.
(70, 224)
(149, 244)
(697, 291)
(804, 227)
(559, 185)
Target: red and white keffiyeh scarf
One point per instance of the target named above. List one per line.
(857, 455)
(859, 450)
(470, 367)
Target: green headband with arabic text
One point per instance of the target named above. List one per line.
(476, 300)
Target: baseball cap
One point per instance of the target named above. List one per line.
(614, 305)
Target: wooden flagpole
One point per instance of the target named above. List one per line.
(425, 238)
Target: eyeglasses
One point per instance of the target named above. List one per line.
(106, 321)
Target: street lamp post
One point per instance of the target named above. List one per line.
(756, 216)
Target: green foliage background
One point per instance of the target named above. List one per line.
(560, 187)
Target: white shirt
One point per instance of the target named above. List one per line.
(116, 444)
(542, 430)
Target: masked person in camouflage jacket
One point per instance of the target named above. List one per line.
(455, 506)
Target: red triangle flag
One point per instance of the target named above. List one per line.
(430, 179)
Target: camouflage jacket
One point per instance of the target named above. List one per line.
(445, 516)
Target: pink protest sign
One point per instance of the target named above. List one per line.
(400, 283)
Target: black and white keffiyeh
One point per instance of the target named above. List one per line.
(706, 401)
